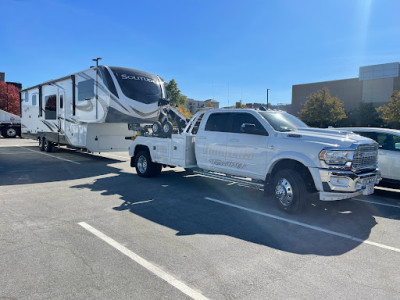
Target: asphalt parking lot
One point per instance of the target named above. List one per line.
(81, 226)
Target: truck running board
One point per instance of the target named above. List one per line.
(256, 184)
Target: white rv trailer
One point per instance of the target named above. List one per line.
(92, 109)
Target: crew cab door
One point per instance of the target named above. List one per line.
(247, 143)
(211, 142)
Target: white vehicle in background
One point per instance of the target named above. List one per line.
(94, 109)
(272, 148)
(389, 150)
(10, 124)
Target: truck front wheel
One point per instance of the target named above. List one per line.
(144, 166)
(289, 191)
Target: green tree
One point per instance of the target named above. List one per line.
(174, 93)
(390, 113)
(368, 116)
(323, 110)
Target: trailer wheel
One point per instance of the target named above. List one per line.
(167, 128)
(48, 146)
(41, 143)
(9, 132)
(156, 128)
(145, 167)
(290, 191)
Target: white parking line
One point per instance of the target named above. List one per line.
(146, 264)
(346, 236)
(60, 158)
(375, 202)
(9, 153)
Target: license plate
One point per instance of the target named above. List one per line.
(369, 189)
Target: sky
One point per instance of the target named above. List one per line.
(224, 50)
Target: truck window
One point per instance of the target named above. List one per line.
(218, 122)
(387, 141)
(240, 118)
(197, 125)
(50, 107)
(85, 89)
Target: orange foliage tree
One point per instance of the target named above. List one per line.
(9, 98)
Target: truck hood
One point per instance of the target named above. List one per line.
(327, 137)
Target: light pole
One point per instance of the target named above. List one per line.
(267, 98)
(97, 60)
(97, 86)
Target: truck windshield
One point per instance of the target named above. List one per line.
(282, 121)
(138, 85)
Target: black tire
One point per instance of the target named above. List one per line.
(41, 143)
(289, 190)
(145, 167)
(167, 128)
(157, 128)
(48, 146)
(10, 132)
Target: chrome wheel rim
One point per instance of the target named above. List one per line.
(155, 128)
(166, 128)
(142, 164)
(11, 132)
(284, 192)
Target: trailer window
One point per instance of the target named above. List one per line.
(50, 107)
(34, 100)
(85, 89)
(26, 97)
(138, 85)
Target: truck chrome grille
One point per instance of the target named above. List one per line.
(365, 157)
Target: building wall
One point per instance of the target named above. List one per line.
(375, 85)
(347, 90)
(194, 105)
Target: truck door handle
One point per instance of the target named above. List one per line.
(234, 141)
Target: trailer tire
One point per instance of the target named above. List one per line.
(47, 145)
(167, 128)
(289, 190)
(41, 143)
(157, 127)
(9, 132)
(144, 166)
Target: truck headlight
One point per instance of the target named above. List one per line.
(337, 157)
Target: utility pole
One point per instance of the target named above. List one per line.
(267, 98)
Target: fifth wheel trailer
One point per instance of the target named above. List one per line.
(94, 109)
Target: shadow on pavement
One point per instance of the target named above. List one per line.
(176, 200)
(30, 167)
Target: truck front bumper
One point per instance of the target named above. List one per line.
(338, 184)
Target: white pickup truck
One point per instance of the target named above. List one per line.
(271, 148)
